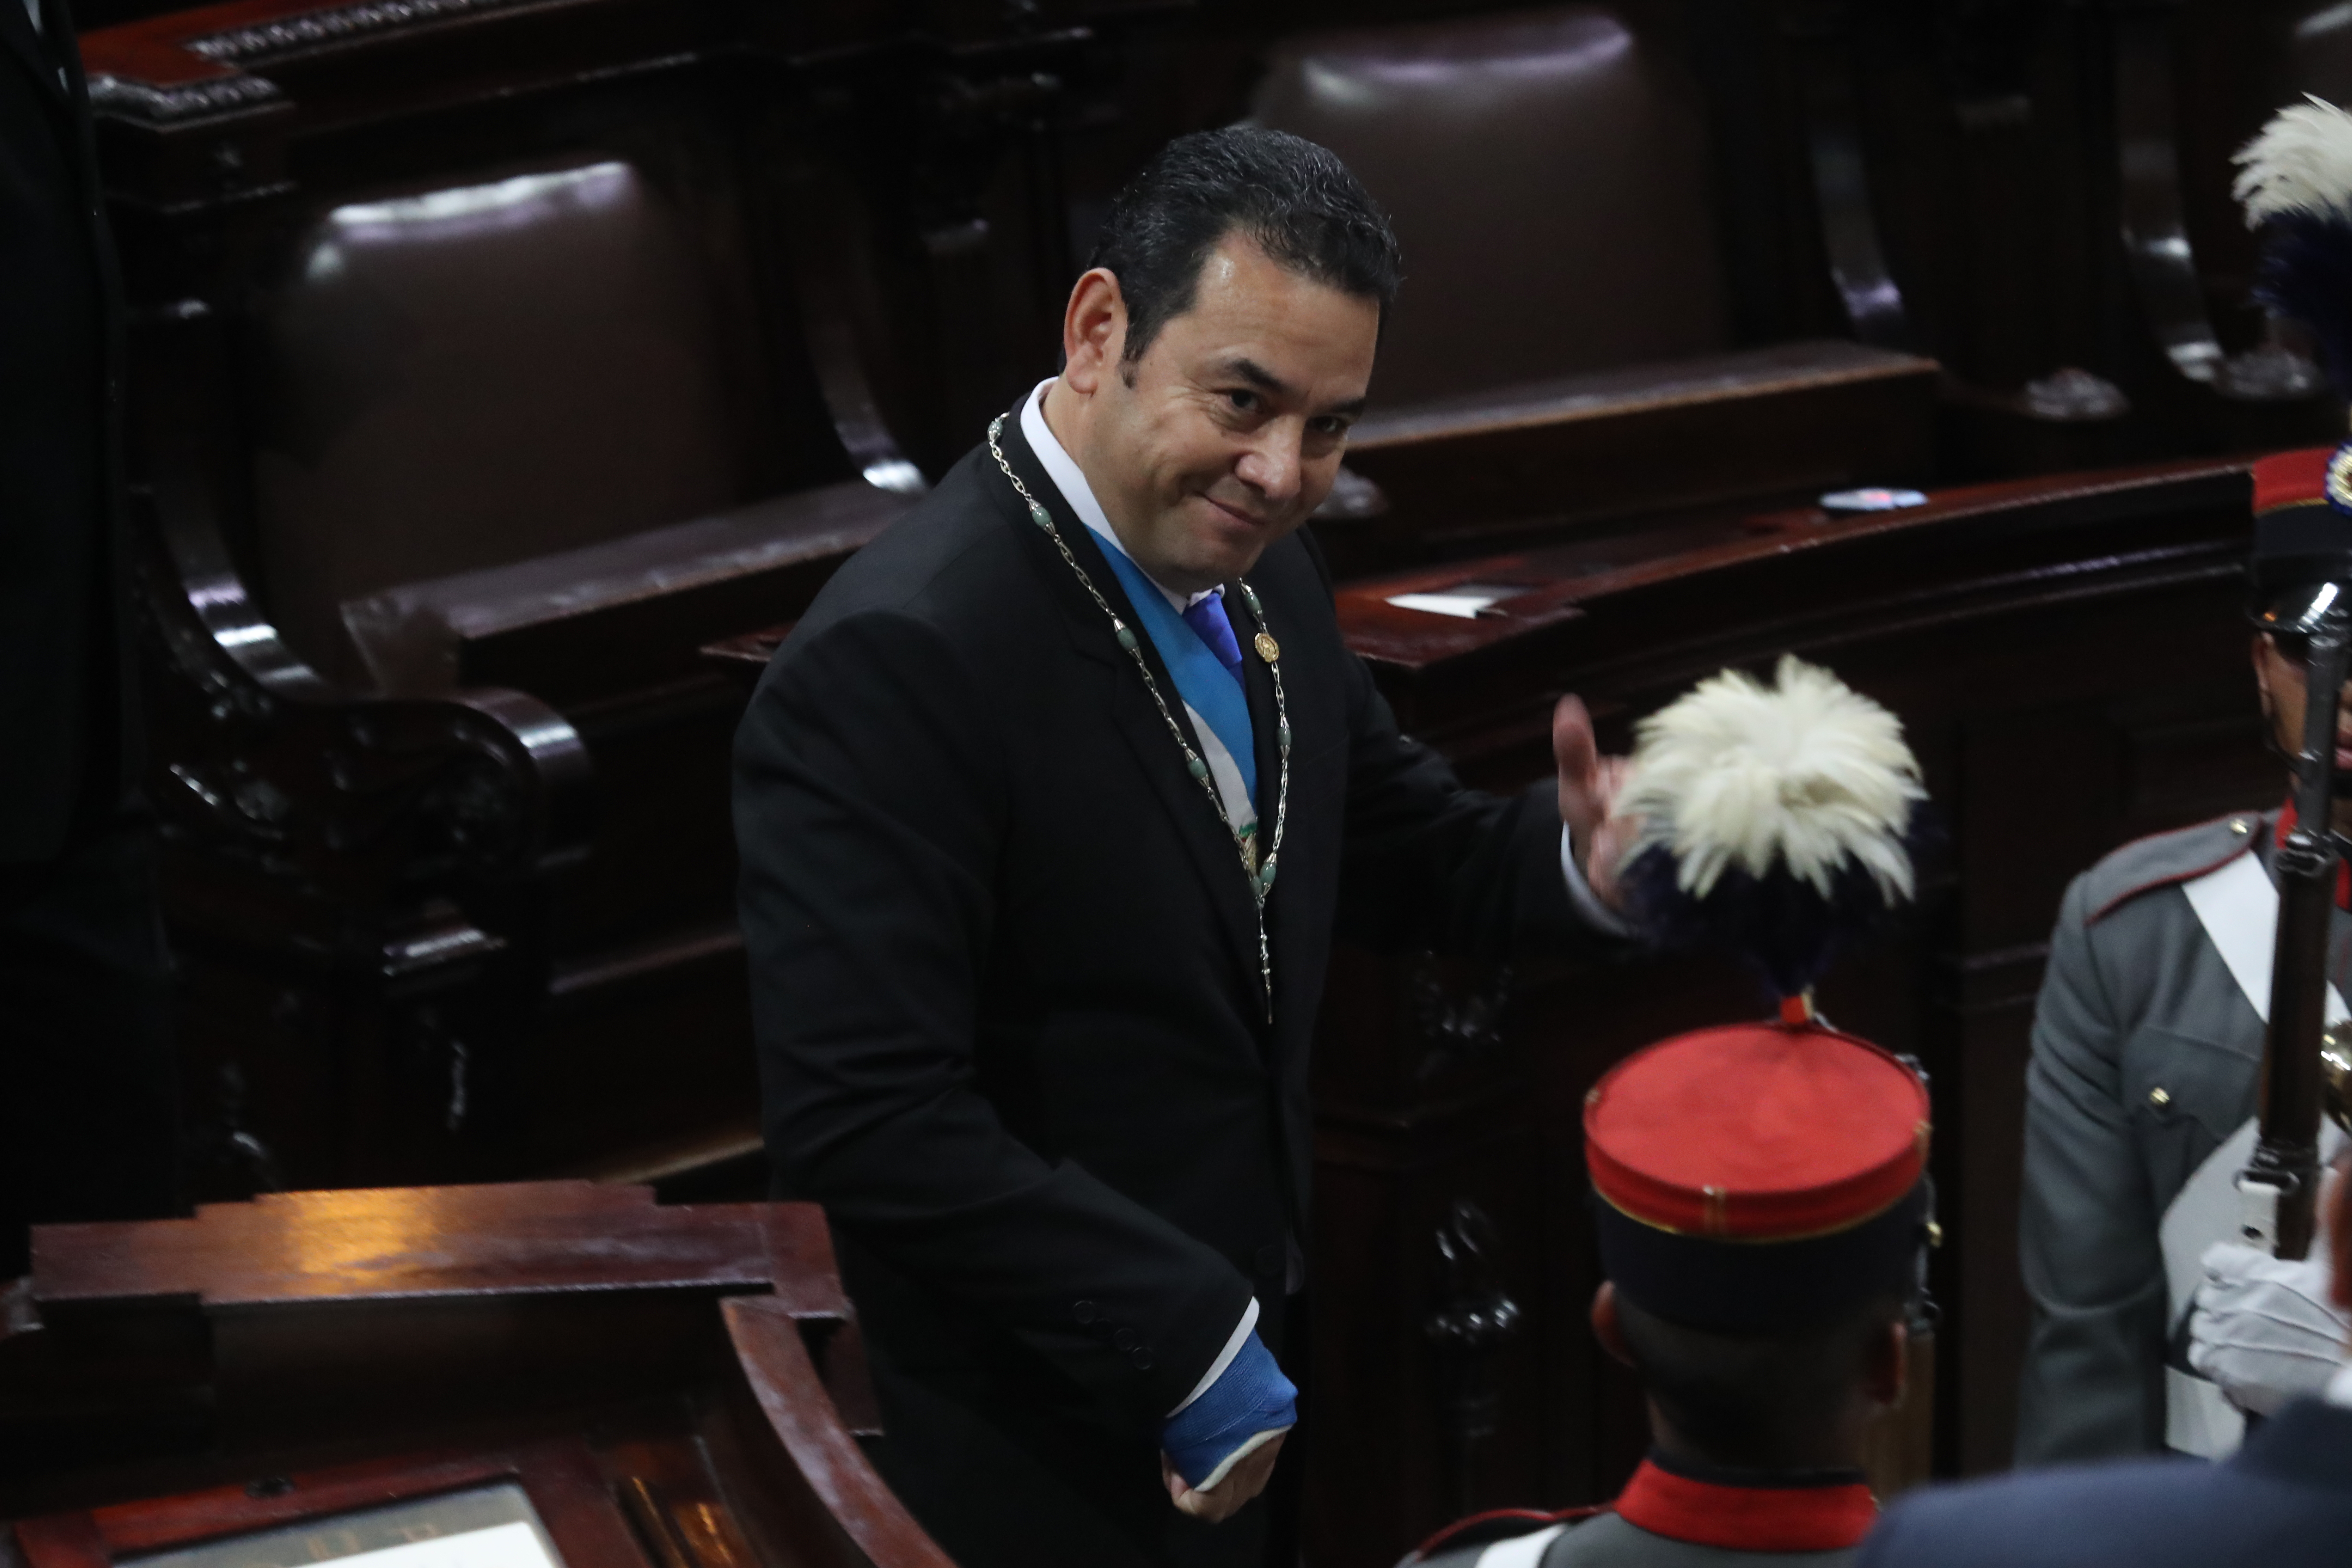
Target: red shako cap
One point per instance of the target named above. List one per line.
(2291, 478)
(1764, 1132)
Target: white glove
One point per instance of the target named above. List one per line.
(2265, 1329)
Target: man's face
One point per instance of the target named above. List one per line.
(2278, 670)
(1228, 431)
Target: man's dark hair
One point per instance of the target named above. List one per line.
(1297, 200)
(1754, 1400)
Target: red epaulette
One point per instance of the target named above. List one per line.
(2175, 877)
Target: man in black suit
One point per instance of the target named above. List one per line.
(1049, 810)
(2282, 1500)
(86, 1101)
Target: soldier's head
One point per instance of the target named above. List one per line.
(1797, 1398)
(1221, 344)
(1763, 1208)
(2300, 561)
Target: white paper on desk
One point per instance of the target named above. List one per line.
(490, 1527)
(1464, 600)
(515, 1545)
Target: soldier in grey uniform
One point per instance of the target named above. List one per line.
(2140, 1094)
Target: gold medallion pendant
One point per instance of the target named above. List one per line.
(1267, 648)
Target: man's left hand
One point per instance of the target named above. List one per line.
(1238, 1486)
(1588, 783)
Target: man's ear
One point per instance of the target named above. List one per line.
(1605, 1326)
(1094, 331)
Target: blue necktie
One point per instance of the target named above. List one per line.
(1213, 626)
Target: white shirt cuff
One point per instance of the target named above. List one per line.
(1581, 895)
(1224, 1357)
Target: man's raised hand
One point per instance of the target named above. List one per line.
(1588, 783)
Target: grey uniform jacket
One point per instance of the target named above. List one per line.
(1606, 1540)
(2144, 1056)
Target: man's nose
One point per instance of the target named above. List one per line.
(1272, 464)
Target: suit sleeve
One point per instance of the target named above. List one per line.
(1429, 863)
(870, 807)
(2092, 1385)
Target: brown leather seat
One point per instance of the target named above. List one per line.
(1562, 349)
(1548, 176)
(481, 371)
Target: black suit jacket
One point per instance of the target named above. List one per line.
(2284, 1501)
(1005, 982)
(62, 666)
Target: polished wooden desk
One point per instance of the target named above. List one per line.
(667, 1387)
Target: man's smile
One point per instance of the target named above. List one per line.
(1239, 516)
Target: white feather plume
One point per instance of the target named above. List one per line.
(1807, 774)
(2301, 162)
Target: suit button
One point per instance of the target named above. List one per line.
(1084, 1312)
(1125, 1339)
(1142, 1358)
(1269, 1261)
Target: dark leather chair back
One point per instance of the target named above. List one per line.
(1549, 178)
(482, 371)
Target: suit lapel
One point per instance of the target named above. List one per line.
(37, 56)
(1206, 837)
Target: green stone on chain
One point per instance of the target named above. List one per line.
(1126, 638)
(1197, 768)
(1265, 872)
(1040, 515)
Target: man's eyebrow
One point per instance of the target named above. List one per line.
(1256, 375)
(1266, 381)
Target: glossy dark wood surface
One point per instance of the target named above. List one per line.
(672, 1387)
(362, 1245)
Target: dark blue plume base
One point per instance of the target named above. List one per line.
(2305, 274)
(1784, 927)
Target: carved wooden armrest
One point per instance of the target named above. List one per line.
(261, 759)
